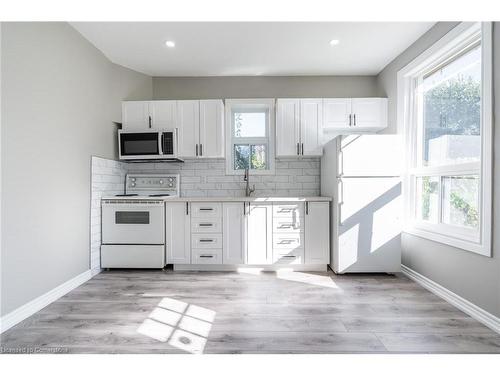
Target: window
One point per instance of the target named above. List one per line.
(250, 130)
(445, 106)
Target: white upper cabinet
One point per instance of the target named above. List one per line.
(299, 127)
(369, 113)
(336, 113)
(311, 127)
(346, 116)
(211, 129)
(200, 125)
(135, 116)
(234, 233)
(317, 233)
(288, 127)
(163, 114)
(188, 128)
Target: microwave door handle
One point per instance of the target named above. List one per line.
(162, 142)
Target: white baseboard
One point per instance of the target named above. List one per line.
(18, 315)
(460, 303)
(251, 268)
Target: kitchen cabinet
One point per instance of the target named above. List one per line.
(178, 232)
(188, 128)
(146, 115)
(200, 127)
(317, 233)
(135, 115)
(234, 233)
(259, 233)
(211, 129)
(299, 127)
(347, 115)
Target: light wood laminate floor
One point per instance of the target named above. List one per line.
(221, 312)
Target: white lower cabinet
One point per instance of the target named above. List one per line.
(178, 233)
(317, 233)
(234, 233)
(259, 233)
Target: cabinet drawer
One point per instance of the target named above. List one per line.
(206, 225)
(288, 241)
(206, 256)
(206, 241)
(295, 256)
(206, 209)
(288, 225)
(288, 210)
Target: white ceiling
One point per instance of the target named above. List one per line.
(252, 48)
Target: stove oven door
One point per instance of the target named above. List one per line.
(133, 222)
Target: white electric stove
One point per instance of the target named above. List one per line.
(133, 223)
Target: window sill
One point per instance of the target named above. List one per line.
(241, 172)
(462, 244)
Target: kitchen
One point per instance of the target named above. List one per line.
(232, 206)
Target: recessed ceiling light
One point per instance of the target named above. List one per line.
(170, 44)
(334, 42)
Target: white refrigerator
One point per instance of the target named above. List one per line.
(362, 175)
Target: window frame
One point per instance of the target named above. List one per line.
(410, 108)
(253, 105)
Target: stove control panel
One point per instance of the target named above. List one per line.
(148, 183)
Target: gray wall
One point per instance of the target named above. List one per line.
(60, 96)
(473, 277)
(264, 87)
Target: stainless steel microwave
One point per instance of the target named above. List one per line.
(148, 145)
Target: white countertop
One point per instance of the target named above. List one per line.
(228, 199)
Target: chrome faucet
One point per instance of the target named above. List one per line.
(248, 190)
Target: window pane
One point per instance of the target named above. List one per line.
(249, 124)
(241, 156)
(461, 201)
(452, 111)
(258, 160)
(427, 198)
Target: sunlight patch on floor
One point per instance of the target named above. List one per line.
(182, 325)
(307, 278)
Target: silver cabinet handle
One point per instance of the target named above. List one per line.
(286, 241)
(206, 209)
(284, 226)
(201, 149)
(298, 148)
(307, 208)
(354, 119)
(196, 149)
(285, 210)
(289, 256)
(187, 208)
(206, 256)
(205, 224)
(302, 149)
(149, 121)
(206, 240)
(350, 119)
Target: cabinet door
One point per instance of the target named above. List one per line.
(317, 233)
(234, 228)
(336, 114)
(178, 233)
(259, 234)
(211, 129)
(163, 113)
(188, 125)
(135, 115)
(311, 127)
(287, 127)
(369, 113)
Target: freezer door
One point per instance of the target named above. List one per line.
(369, 225)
